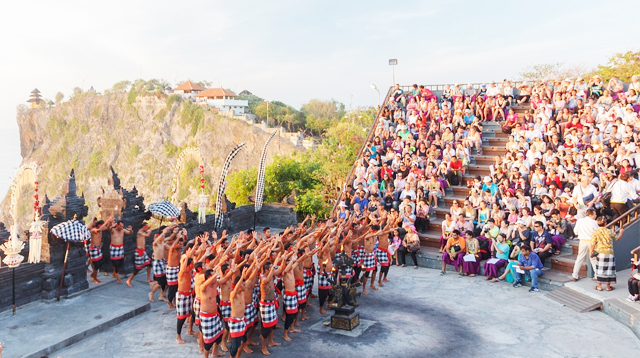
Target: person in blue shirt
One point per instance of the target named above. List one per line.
(489, 184)
(530, 263)
(468, 117)
(361, 200)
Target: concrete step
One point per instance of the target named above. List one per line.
(565, 263)
(479, 169)
(495, 142)
(484, 159)
(448, 199)
(493, 150)
(458, 191)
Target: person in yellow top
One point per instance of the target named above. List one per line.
(602, 249)
(453, 252)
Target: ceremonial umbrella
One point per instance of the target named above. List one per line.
(71, 230)
(164, 209)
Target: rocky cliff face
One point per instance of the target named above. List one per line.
(141, 136)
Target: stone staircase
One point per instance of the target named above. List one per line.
(494, 142)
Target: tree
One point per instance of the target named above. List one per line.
(541, 71)
(241, 185)
(59, 98)
(121, 86)
(622, 65)
(320, 115)
(252, 100)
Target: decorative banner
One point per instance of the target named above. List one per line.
(260, 181)
(202, 204)
(223, 183)
(35, 240)
(12, 249)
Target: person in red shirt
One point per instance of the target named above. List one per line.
(455, 172)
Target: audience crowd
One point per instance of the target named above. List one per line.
(572, 152)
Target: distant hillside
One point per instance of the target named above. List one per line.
(141, 136)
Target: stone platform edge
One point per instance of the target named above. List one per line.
(68, 341)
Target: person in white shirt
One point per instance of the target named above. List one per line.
(621, 191)
(584, 196)
(493, 90)
(584, 231)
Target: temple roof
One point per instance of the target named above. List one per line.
(216, 93)
(188, 87)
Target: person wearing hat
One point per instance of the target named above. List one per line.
(343, 213)
(489, 185)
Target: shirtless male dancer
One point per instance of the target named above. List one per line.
(141, 258)
(268, 304)
(382, 256)
(173, 265)
(96, 227)
(250, 311)
(290, 297)
(237, 324)
(184, 295)
(210, 322)
(159, 265)
(116, 249)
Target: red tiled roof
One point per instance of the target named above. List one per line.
(216, 93)
(189, 86)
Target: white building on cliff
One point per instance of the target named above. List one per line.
(223, 100)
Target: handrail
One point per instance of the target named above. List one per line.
(367, 140)
(625, 219)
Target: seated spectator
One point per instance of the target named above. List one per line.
(454, 250)
(541, 242)
(411, 245)
(492, 267)
(471, 267)
(530, 264)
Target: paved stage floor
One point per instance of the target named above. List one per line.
(418, 314)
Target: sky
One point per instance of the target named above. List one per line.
(291, 51)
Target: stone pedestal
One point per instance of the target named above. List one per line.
(345, 318)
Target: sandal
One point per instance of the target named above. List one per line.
(610, 288)
(597, 288)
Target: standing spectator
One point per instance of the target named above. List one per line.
(602, 249)
(530, 263)
(584, 229)
(621, 191)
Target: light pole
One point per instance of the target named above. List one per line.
(267, 113)
(393, 62)
(377, 90)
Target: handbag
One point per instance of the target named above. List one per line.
(414, 248)
(573, 211)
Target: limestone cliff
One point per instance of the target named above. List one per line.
(141, 136)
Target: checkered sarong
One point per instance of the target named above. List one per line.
(210, 326)
(268, 313)
(302, 291)
(606, 268)
(116, 252)
(308, 276)
(95, 253)
(159, 267)
(196, 310)
(250, 314)
(369, 261)
(225, 310)
(356, 256)
(290, 302)
(237, 327)
(184, 304)
(323, 280)
(172, 275)
(255, 298)
(382, 256)
(141, 259)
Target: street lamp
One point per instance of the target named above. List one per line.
(393, 62)
(377, 90)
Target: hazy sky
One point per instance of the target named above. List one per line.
(292, 51)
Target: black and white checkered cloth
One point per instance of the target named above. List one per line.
(184, 304)
(164, 209)
(605, 266)
(250, 314)
(237, 327)
(211, 326)
(159, 267)
(255, 298)
(308, 276)
(382, 257)
(71, 230)
(369, 261)
(196, 310)
(268, 313)
(172, 275)
(141, 259)
(225, 310)
(290, 302)
(323, 281)
(116, 252)
(95, 253)
(302, 293)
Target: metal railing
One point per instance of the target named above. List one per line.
(350, 176)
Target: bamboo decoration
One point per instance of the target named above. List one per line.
(260, 181)
(222, 184)
(202, 205)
